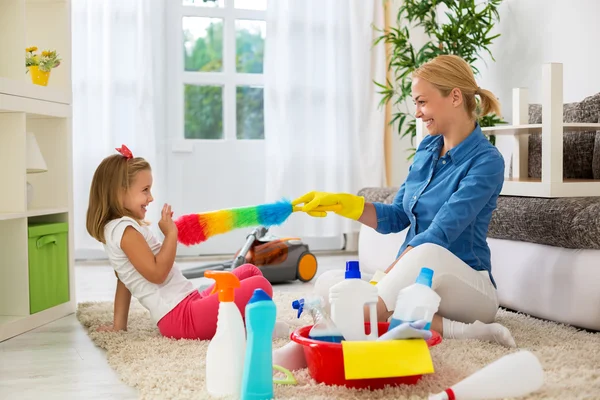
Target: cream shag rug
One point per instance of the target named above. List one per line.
(161, 368)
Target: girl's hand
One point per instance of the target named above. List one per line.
(166, 224)
(105, 328)
(109, 328)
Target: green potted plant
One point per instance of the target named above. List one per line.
(466, 33)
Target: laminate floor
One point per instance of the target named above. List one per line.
(58, 361)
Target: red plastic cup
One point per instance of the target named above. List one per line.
(325, 361)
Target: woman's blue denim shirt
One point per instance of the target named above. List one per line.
(448, 200)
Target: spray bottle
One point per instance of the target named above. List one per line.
(257, 381)
(225, 354)
(323, 327)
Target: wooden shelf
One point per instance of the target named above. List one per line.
(33, 213)
(34, 108)
(11, 216)
(9, 319)
(552, 130)
(530, 187)
(46, 211)
(536, 128)
(28, 90)
(11, 326)
(44, 111)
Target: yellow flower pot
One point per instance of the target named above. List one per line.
(39, 77)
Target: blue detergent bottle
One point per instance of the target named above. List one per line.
(257, 379)
(416, 302)
(324, 328)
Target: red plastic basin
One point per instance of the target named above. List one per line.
(326, 363)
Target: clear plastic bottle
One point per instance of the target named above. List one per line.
(348, 299)
(323, 327)
(416, 302)
(226, 350)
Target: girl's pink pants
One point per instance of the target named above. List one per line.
(195, 317)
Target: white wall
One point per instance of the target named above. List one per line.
(399, 163)
(399, 146)
(534, 32)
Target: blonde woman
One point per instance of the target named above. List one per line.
(446, 203)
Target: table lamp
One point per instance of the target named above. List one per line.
(35, 163)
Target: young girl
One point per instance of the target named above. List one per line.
(145, 267)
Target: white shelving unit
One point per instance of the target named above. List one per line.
(46, 112)
(552, 129)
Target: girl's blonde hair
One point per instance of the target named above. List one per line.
(447, 72)
(112, 179)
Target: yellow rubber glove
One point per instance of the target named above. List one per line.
(318, 203)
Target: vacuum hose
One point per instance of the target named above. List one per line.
(256, 233)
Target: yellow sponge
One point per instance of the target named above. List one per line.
(386, 359)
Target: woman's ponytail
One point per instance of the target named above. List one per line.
(489, 103)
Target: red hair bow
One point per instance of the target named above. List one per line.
(125, 152)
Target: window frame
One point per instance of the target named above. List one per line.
(229, 79)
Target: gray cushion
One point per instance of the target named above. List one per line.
(563, 222)
(570, 222)
(579, 150)
(379, 194)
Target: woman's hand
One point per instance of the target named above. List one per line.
(166, 224)
(408, 248)
(344, 204)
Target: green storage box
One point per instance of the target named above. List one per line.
(48, 265)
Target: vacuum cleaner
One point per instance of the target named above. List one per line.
(279, 259)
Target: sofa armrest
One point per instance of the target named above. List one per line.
(379, 194)
(377, 251)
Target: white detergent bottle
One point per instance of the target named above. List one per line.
(416, 302)
(226, 350)
(348, 299)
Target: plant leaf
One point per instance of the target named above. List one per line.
(466, 32)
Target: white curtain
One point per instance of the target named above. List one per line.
(323, 127)
(118, 86)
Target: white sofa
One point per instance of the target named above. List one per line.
(548, 282)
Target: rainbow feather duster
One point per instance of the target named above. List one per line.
(196, 228)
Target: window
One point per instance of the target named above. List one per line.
(218, 69)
